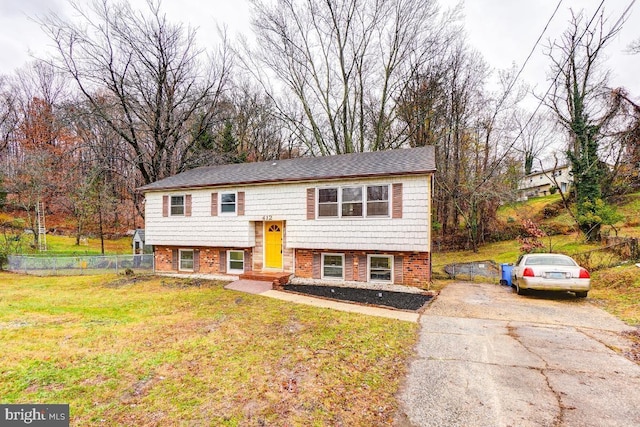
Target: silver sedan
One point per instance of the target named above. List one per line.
(550, 272)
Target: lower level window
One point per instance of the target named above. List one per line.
(186, 259)
(380, 268)
(332, 266)
(235, 261)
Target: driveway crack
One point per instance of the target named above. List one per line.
(558, 419)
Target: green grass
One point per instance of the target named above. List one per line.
(66, 246)
(618, 290)
(526, 209)
(167, 351)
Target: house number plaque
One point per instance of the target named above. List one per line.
(267, 218)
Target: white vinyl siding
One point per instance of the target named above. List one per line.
(288, 202)
(333, 266)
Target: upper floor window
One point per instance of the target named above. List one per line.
(378, 200)
(227, 203)
(356, 201)
(177, 205)
(328, 202)
(352, 201)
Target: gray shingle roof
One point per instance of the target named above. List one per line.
(140, 233)
(409, 161)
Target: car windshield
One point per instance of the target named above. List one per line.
(550, 260)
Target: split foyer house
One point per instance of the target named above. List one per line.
(363, 217)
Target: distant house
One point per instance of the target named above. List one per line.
(139, 246)
(544, 182)
(362, 217)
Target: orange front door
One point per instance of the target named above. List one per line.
(273, 244)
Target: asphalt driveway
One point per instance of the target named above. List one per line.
(488, 357)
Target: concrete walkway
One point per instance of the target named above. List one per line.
(266, 289)
(255, 287)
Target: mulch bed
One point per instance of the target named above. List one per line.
(399, 300)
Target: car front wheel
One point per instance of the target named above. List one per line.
(581, 294)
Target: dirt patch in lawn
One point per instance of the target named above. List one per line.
(634, 353)
(399, 300)
(128, 281)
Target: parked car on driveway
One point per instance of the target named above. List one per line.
(550, 272)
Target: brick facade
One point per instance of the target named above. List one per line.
(210, 260)
(410, 268)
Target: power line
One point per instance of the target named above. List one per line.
(535, 45)
(555, 79)
(622, 17)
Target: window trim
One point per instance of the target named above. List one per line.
(234, 270)
(221, 195)
(193, 259)
(360, 202)
(389, 200)
(337, 203)
(364, 201)
(184, 204)
(391, 263)
(322, 275)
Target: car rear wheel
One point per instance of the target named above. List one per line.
(519, 290)
(582, 294)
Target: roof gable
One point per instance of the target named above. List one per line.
(409, 161)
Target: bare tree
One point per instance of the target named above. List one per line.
(261, 135)
(345, 63)
(144, 77)
(8, 115)
(449, 106)
(535, 134)
(582, 104)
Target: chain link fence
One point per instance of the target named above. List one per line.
(81, 265)
(471, 270)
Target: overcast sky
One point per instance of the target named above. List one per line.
(504, 31)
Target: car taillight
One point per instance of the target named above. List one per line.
(584, 274)
(528, 272)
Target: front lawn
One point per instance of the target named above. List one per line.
(617, 289)
(167, 351)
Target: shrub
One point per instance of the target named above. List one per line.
(530, 237)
